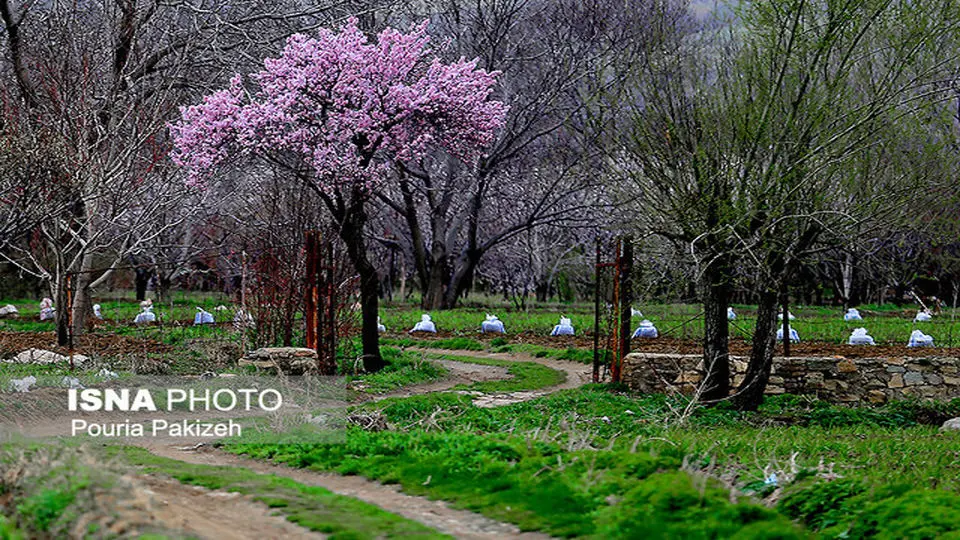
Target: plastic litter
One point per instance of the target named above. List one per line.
(425, 325)
(46, 309)
(780, 316)
(923, 316)
(146, 314)
(860, 337)
(380, 327)
(731, 315)
(71, 382)
(919, 339)
(492, 325)
(635, 312)
(202, 317)
(772, 480)
(565, 328)
(794, 336)
(646, 330)
(852, 314)
(23, 385)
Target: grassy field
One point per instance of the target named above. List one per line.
(596, 463)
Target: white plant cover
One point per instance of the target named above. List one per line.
(923, 316)
(492, 325)
(565, 328)
(860, 337)
(380, 327)
(646, 330)
(202, 317)
(23, 385)
(145, 316)
(852, 314)
(46, 309)
(425, 325)
(794, 336)
(731, 315)
(919, 339)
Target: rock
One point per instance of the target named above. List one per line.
(896, 381)
(289, 360)
(846, 366)
(876, 396)
(40, 356)
(9, 311)
(913, 378)
(951, 425)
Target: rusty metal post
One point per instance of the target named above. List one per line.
(312, 301)
(626, 301)
(615, 359)
(596, 317)
(69, 315)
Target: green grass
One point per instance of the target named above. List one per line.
(312, 507)
(402, 369)
(589, 462)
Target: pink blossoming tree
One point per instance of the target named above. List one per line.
(341, 112)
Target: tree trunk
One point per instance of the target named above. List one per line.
(62, 304)
(141, 278)
(716, 340)
(749, 395)
(351, 231)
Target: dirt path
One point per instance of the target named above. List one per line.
(435, 514)
(202, 513)
(577, 375)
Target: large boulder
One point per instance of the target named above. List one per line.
(951, 425)
(41, 356)
(9, 311)
(288, 360)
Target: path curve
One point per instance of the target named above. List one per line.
(432, 513)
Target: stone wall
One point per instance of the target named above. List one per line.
(840, 380)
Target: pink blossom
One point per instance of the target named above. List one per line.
(346, 106)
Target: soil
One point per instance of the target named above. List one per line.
(92, 344)
(738, 347)
(197, 512)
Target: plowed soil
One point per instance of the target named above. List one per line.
(738, 347)
(93, 344)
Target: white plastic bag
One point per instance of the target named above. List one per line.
(731, 315)
(492, 325)
(202, 317)
(852, 314)
(794, 336)
(923, 316)
(23, 385)
(425, 325)
(646, 330)
(46, 309)
(860, 337)
(780, 316)
(565, 328)
(96, 312)
(380, 327)
(146, 316)
(919, 339)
